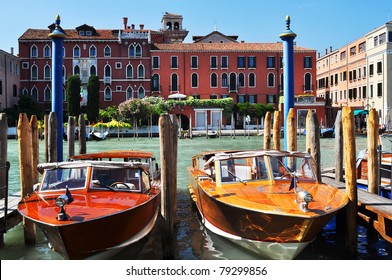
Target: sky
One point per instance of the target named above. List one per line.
(319, 25)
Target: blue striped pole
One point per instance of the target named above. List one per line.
(57, 37)
(288, 37)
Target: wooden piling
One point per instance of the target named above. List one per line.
(372, 140)
(267, 131)
(168, 155)
(26, 171)
(82, 135)
(351, 183)
(313, 140)
(3, 153)
(52, 137)
(339, 147)
(46, 138)
(34, 147)
(71, 136)
(291, 131)
(276, 130)
(307, 125)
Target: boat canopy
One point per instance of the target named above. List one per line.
(360, 112)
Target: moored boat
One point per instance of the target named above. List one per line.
(266, 201)
(89, 208)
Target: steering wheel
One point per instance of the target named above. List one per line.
(120, 185)
(286, 174)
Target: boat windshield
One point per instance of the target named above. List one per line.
(59, 179)
(119, 178)
(244, 169)
(285, 167)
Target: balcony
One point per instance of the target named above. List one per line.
(107, 80)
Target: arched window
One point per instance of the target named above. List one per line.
(138, 51)
(155, 82)
(281, 82)
(129, 93)
(47, 94)
(76, 51)
(195, 80)
(214, 80)
(141, 93)
(233, 82)
(241, 80)
(131, 51)
(34, 72)
(176, 26)
(271, 80)
(93, 51)
(47, 72)
(252, 80)
(129, 71)
(168, 26)
(76, 70)
(93, 70)
(34, 94)
(308, 82)
(140, 71)
(107, 51)
(174, 82)
(108, 71)
(47, 51)
(224, 80)
(34, 51)
(108, 94)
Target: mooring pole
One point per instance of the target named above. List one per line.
(57, 37)
(288, 37)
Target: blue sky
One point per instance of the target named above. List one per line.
(318, 24)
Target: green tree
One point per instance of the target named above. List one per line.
(73, 95)
(93, 99)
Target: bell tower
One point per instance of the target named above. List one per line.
(172, 28)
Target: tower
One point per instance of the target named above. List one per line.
(172, 28)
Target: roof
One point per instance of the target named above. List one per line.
(225, 47)
(216, 37)
(71, 34)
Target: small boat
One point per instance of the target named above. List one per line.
(98, 136)
(96, 204)
(385, 179)
(266, 201)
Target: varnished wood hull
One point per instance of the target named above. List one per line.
(87, 237)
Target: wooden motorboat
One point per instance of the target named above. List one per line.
(90, 208)
(385, 179)
(98, 136)
(266, 201)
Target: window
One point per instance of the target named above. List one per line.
(308, 82)
(76, 51)
(362, 47)
(76, 70)
(194, 62)
(195, 80)
(108, 71)
(376, 41)
(214, 80)
(47, 51)
(379, 67)
(281, 62)
(241, 80)
(271, 80)
(47, 94)
(252, 98)
(381, 38)
(270, 62)
(47, 72)
(14, 91)
(138, 51)
(307, 62)
(174, 82)
(241, 98)
(107, 51)
(174, 62)
(155, 62)
(343, 55)
(25, 65)
(93, 51)
(224, 80)
(129, 71)
(131, 51)
(34, 51)
(93, 70)
(34, 72)
(213, 62)
(141, 93)
(129, 93)
(252, 80)
(34, 94)
(251, 62)
(371, 70)
(353, 51)
(155, 82)
(271, 99)
(379, 89)
(140, 71)
(233, 82)
(224, 62)
(241, 62)
(108, 94)
(118, 65)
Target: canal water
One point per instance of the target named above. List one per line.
(194, 241)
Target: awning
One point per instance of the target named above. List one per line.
(177, 95)
(360, 112)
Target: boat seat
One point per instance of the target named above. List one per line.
(243, 172)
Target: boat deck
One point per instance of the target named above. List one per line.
(13, 216)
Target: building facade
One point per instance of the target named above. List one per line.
(136, 62)
(9, 79)
(358, 74)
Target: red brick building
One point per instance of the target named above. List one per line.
(136, 62)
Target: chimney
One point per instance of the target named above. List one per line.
(125, 22)
(12, 50)
(141, 26)
(326, 51)
(318, 55)
(133, 26)
(330, 49)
